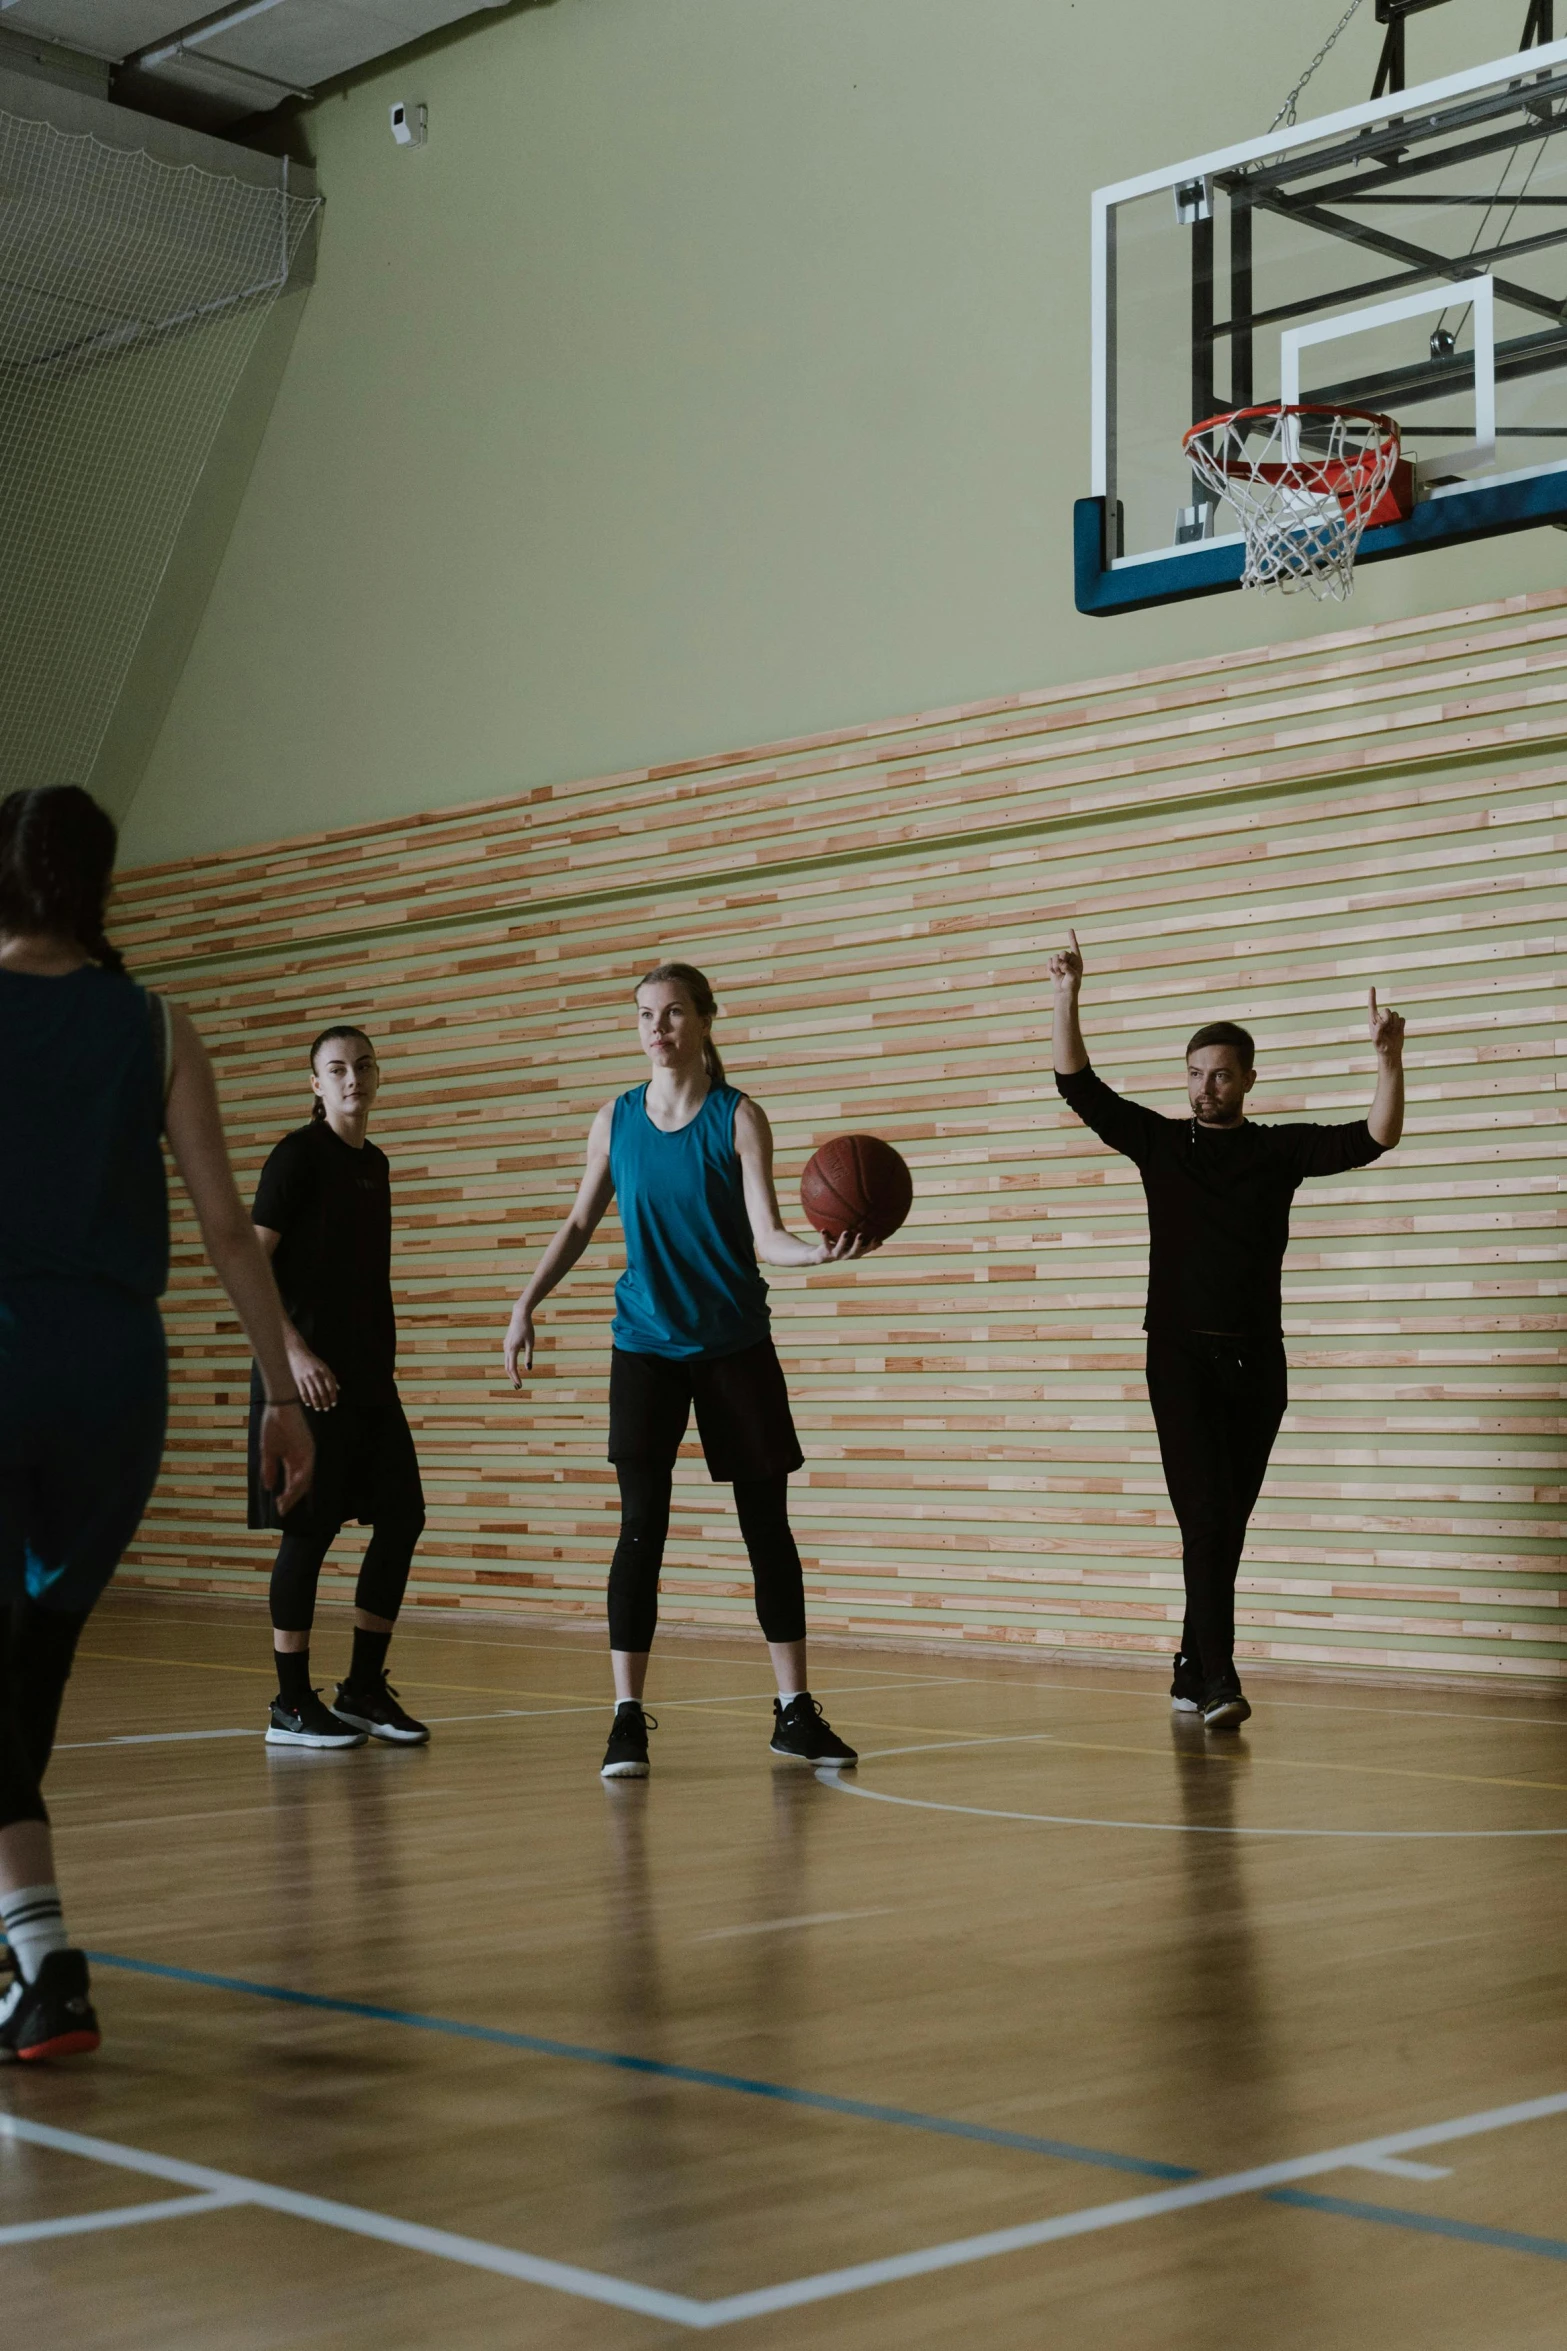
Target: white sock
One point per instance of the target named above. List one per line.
(786, 1698)
(620, 1702)
(33, 1925)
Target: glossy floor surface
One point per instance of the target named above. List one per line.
(1062, 2021)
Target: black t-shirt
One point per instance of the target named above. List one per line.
(1218, 1203)
(333, 1206)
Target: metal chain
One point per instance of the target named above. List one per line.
(1286, 113)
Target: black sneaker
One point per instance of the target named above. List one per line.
(625, 1758)
(1223, 1707)
(1186, 1688)
(374, 1708)
(50, 2017)
(802, 1734)
(309, 1725)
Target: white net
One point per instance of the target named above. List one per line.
(1304, 482)
(131, 295)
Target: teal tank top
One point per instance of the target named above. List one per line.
(82, 1192)
(691, 1284)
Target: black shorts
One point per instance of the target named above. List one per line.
(742, 1411)
(366, 1469)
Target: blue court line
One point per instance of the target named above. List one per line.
(1430, 2224)
(580, 2053)
(824, 2102)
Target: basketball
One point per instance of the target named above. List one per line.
(857, 1184)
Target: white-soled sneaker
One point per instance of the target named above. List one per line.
(1224, 1708)
(373, 1708)
(625, 1758)
(1186, 1687)
(802, 1734)
(309, 1725)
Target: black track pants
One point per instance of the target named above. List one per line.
(1217, 1404)
(35, 1665)
(763, 1508)
(383, 1572)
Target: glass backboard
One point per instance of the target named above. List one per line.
(1407, 257)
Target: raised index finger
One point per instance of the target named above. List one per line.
(1072, 935)
(1373, 1001)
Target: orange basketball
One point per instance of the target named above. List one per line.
(857, 1184)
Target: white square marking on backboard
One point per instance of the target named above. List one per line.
(1350, 225)
(1479, 294)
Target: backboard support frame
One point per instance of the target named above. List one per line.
(1310, 174)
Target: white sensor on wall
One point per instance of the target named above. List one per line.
(408, 123)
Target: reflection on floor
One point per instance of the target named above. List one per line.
(1059, 2016)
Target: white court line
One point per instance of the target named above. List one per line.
(1084, 1688)
(832, 1778)
(497, 1714)
(1110, 2216)
(775, 1926)
(148, 1739)
(827, 2285)
(120, 2216)
(588, 2285)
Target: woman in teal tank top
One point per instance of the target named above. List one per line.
(689, 1159)
(93, 1073)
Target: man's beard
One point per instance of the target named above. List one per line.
(1218, 1118)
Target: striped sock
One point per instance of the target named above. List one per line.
(34, 1926)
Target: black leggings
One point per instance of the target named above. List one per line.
(38, 1646)
(383, 1572)
(763, 1507)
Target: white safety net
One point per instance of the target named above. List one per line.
(131, 295)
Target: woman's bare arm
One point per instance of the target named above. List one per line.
(594, 1195)
(315, 1380)
(775, 1244)
(194, 1125)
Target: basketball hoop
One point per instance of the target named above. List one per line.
(1305, 482)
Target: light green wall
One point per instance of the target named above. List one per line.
(718, 372)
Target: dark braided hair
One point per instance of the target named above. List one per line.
(339, 1028)
(56, 864)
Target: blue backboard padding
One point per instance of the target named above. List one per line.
(1485, 512)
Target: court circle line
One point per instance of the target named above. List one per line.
(1172, 1828)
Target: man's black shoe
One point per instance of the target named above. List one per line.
(309, 1724)
(1186, 1688)
(1223, 1707)
(802, 1734)
(374, 1708)
(625, 1758)
(52, 2016)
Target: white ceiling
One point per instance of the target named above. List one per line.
(101, 28)
(249, 55)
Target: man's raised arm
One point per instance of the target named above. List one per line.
(1385, 1118)
(1066, 974)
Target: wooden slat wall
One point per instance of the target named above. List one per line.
(1258, 837)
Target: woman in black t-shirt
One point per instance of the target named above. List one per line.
(323, 1213)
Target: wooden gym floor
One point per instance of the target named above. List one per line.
(1066, 2023)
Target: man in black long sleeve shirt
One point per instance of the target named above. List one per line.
(1219, 1190)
